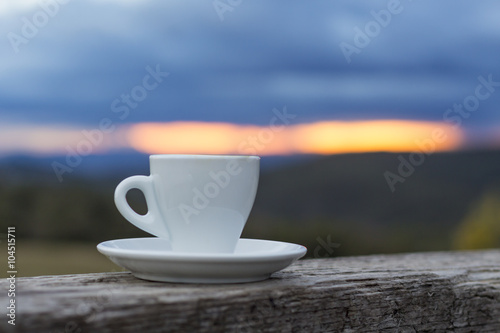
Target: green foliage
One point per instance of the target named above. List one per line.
(481, 227)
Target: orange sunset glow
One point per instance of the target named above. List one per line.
(327, 137)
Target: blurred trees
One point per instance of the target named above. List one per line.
(340, 199)
(71, 211)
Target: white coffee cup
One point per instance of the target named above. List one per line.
(199, 202)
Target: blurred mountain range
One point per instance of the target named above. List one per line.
(34, 169)
(357, 203)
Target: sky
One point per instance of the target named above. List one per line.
(270, 77)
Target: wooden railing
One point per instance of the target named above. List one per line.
(432, 292)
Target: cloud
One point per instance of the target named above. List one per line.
(262, 55)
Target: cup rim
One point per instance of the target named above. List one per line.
(202, 156)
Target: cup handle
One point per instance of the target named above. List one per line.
(151, 221)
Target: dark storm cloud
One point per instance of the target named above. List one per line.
(264, 54)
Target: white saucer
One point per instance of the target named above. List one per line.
(152, 259)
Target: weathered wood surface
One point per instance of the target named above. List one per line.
(438, 292)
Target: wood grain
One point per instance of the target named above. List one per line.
(438, 292)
